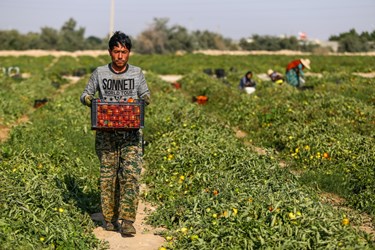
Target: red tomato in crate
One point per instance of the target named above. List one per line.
(136, 110)
(109, 111)
(116, 111)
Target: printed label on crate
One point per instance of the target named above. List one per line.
(117, 115)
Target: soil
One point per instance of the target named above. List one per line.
(366, 75)
(5, 130)
(146, 238)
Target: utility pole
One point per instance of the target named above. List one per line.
(111, 18)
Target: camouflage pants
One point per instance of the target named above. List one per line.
(120, 155)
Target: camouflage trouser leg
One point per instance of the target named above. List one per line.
(120, 156)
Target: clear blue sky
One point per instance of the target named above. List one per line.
(234, 19)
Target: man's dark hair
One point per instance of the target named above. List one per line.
(120, 38)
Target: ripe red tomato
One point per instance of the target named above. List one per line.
(136, 110)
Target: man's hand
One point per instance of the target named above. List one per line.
(146, 99)
(88, 100)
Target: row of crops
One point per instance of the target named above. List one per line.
(211, 189)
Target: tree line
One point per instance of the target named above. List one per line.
(160, 38)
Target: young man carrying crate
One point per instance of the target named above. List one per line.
(119, 148)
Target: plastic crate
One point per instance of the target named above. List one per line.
(117, 115)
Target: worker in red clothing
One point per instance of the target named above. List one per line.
(294, 72)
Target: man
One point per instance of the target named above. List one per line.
(119, 152)
(294, 72)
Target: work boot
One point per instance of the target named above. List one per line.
(127, 228)
(112, 226)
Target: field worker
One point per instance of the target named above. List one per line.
(294, 72)
(275, 76)
(247, 83)
(119, 152)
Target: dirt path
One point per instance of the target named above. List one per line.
(145, 239)
(5, 130)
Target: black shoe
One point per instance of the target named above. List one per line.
(112, 226)
(127, 228)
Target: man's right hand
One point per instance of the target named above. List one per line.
(88, 100)
(146, 99)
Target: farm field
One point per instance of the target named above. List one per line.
(279, 169)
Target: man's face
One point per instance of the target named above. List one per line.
(120, 56)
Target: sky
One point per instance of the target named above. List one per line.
(234, 19)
